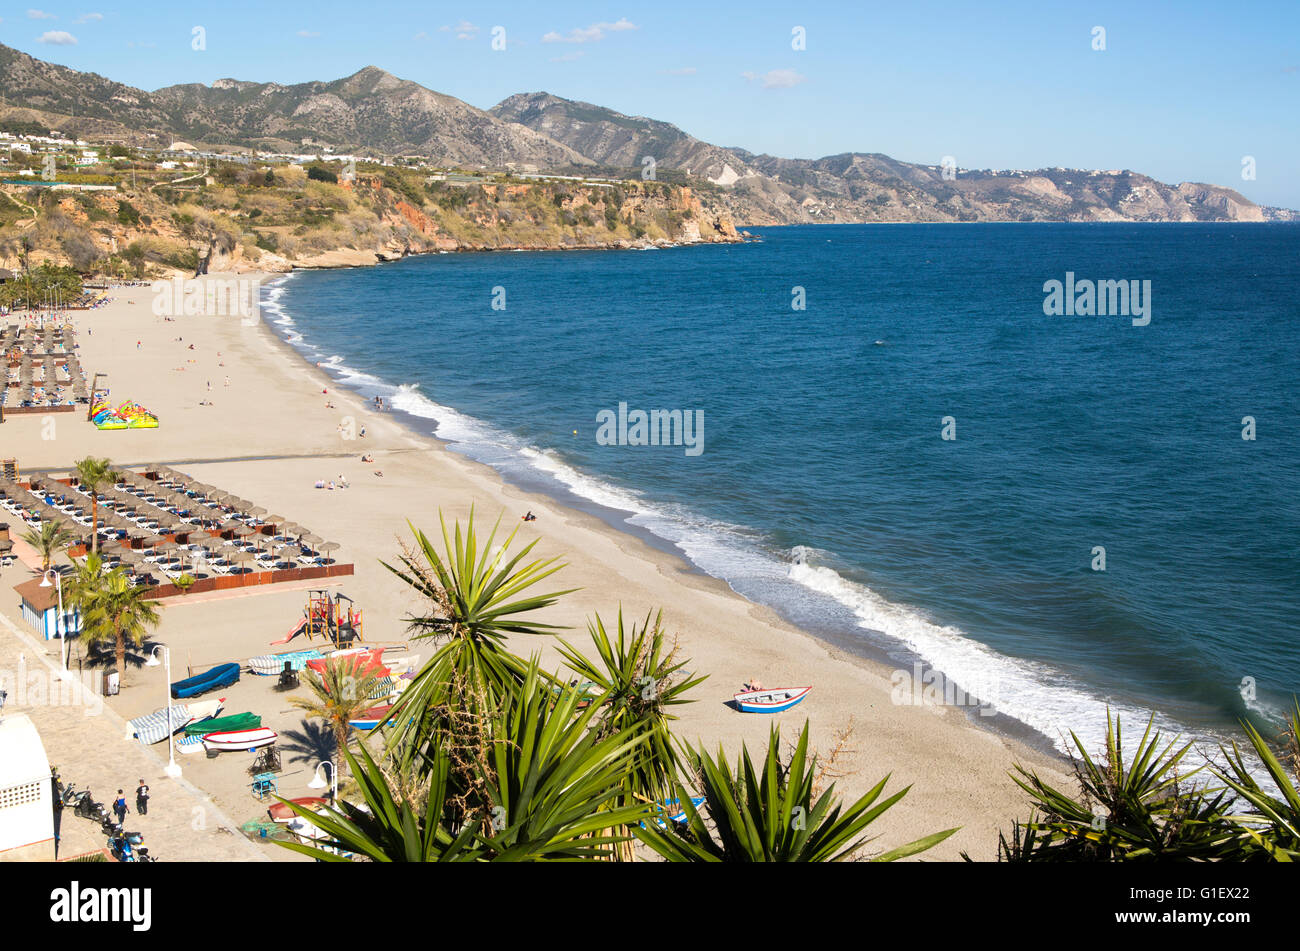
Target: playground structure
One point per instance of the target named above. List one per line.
(327, 616)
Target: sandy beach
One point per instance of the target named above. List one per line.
(270, 434)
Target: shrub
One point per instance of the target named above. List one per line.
(318, 173)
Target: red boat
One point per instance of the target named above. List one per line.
(280, 812)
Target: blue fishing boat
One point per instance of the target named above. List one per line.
(223, 675)
(771, 700)
(675, 811)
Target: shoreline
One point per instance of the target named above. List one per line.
(268, 438)
(744, 237)
(873, 657)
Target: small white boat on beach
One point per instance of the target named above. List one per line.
(240, 739)
(769, 699)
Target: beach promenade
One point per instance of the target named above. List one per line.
(277, 428)
(84, 738)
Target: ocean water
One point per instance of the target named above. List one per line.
(825, 486)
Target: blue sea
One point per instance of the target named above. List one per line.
(825, 486)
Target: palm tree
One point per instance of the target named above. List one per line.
(771, 817)
(339, 694)
(50, 539)
(641, 678)
(474, 597)
(113, 610)
(91, 474)
(548, 791)
(1273, 828)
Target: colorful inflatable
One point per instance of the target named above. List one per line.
(136, 416)
(129, 415)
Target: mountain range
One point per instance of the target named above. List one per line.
(372, 111)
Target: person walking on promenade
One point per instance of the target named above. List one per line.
(119, 806)
(142, 799)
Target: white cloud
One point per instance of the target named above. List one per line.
(568, 57)
(684, 71)
(776, 78)
(89, 18)
(40, 15)
(422, 35)
(464, 30)
(308, 34)
(132, 44)
(57, 38)
(590, 34)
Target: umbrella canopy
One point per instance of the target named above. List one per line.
(328, 546)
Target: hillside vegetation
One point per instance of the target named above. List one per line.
(242, 217)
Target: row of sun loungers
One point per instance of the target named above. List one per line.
(156, 514)
(41, 367)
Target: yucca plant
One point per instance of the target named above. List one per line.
(546, 790)
(772, 816)
(475, 596)
(1140, 809)
(641, 678)
(1272, 827)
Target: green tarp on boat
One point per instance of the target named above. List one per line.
(236, 721)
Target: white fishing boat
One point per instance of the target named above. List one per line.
(240, 739)
(770, 700)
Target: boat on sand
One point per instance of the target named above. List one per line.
(769, 699)
(240, 739)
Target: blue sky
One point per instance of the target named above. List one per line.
(1182, 91)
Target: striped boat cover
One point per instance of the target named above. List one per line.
(190, 744)
(269, 665)
(383, 687)
(153, 727)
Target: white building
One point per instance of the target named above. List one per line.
(26, 793)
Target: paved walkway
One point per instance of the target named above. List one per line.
(87, 742)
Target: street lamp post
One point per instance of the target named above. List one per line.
(172, 770)
(318, 782)
(62, 625)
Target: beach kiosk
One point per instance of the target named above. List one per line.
(26, 793)
(40, 608)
